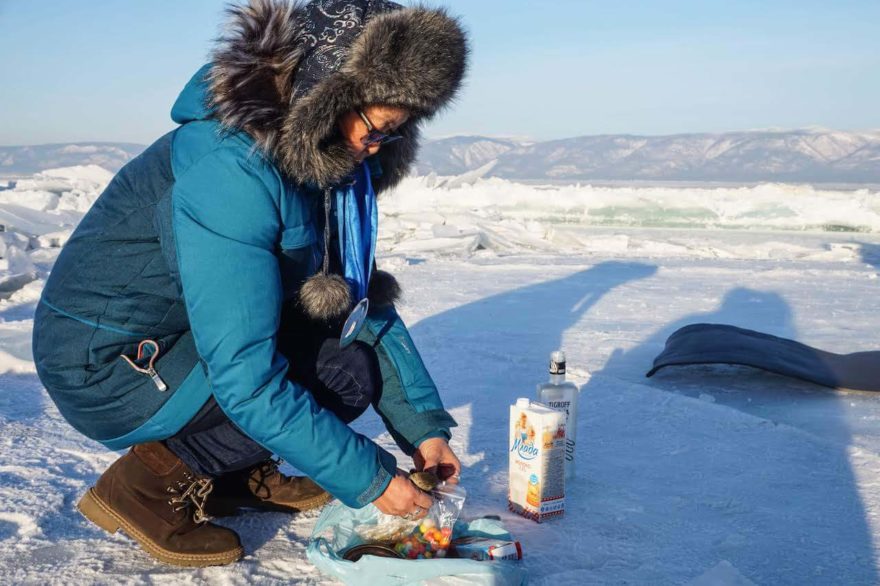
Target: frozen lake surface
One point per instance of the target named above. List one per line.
(699, 475)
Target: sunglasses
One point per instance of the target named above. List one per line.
(374, 136)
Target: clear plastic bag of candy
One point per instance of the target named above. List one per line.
(426, 538)
(431, 537)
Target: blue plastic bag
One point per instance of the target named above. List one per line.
(336, 532)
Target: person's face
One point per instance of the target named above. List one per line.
(385, 119)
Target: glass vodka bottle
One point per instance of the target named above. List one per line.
(562, 396)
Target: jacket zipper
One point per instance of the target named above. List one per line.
(150, 370)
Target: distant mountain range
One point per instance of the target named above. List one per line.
(820, 156)
(800, 155)
(17, 161)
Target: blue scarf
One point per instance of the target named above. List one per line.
(357, 218)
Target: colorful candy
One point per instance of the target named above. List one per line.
(426, 541)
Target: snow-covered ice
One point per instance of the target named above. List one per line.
(700, 475)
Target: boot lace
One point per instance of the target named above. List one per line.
(266, 469)
(191, 492)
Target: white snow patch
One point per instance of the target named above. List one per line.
(24, 525)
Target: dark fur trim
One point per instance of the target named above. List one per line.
(384, 290)
(253, 67)
(413, 58)
(325, 297)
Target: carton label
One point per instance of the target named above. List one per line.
(536, 461)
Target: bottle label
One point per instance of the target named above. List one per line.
(569, 443)
(560, 406)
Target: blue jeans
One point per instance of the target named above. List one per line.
(344, 381)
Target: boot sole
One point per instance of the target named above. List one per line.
(223, 508)
(101, 514)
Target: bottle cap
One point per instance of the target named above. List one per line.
(557, 362)
(523, 403)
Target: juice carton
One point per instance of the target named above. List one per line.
(537, 461)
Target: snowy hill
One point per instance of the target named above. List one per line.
(17, 161)
(737, 157)
(460, 154)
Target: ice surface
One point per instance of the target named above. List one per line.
(702, 475)
(769, 206)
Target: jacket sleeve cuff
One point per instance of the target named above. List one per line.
(387, 470)
(418, 427)
(444, 433)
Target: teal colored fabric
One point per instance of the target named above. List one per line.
(410, 405)
(110, 288)
(192, 393)
(91, 323)
(433, 434)
(191, 104)
(335, 532)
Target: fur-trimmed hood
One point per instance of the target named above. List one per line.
(286, 71)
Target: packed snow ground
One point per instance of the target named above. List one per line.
(701, 475)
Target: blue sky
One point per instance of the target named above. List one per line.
(110, 69)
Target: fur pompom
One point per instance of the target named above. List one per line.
(325, 297)
(384, 290)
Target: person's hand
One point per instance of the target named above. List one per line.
(403, 499)
(435, 455)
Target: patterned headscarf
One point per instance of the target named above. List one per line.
(330, 28)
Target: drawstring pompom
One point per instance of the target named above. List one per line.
(384, 289)
(325, 297)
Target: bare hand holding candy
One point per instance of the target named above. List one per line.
(435, 455)
(402, 499)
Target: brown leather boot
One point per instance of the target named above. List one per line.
(156, 500)
(265, 488)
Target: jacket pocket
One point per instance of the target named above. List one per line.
(298, 258)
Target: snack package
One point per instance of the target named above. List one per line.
(487, 549)
(385, 530)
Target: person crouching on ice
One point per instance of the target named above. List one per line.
(220, 302)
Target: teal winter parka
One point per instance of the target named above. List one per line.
(197, 244)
